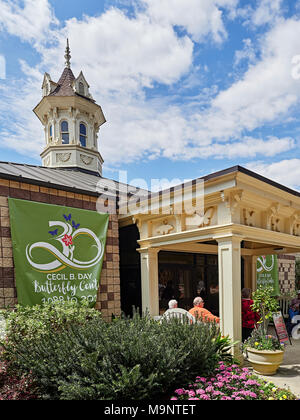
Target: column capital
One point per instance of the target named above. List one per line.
(150, 251)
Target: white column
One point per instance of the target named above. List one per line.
(229, 253)
(254, 272)
(149, 278)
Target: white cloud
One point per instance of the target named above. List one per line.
(267, 12)
(20, 129)
(247, 147)
(127, 54)
(265, 93)
(286, 172)
(200, 18)
(247, 53)
(28, 19)
(260, 12)
(122, 55)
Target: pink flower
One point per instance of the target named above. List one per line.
(219, 384)
(180, 391)
(252, 394)
(216, 393)
(251, 382)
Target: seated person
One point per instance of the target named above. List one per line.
(295, 303)
(173, 304)
(290, 325)
(200, 313)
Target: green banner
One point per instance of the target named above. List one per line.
(58, 252)
(267, 272)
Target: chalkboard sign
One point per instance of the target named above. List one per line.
(280, 328)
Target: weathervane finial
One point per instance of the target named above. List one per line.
(68, 55)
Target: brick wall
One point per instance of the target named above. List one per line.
(286, 269)
(108, 299)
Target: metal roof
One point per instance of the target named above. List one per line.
(74, 180)
(84, 182)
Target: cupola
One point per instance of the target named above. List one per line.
(71, 120)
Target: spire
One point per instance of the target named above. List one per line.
(68, 55)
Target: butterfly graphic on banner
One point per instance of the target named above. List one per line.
(65, 234)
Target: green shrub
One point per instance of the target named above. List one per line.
(127, 359)
(15, 387)
(28, 323)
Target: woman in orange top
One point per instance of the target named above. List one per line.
(202, 314)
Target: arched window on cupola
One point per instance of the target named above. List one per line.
(64, 130)
(50, 133)
(83, 134)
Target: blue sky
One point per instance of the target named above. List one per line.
(188, 87)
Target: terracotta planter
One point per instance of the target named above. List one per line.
(265, 362)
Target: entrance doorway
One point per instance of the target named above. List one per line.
(130, 270)
(184, 276)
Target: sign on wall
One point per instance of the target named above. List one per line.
(58, 252)
(267, 272)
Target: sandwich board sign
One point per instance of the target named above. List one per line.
(280, 328)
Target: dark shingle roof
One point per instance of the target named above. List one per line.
(65, 82)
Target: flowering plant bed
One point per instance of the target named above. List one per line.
(16, 387)
(232, 383)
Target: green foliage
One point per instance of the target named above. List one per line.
(2, 327)
(27, 323)
(16, 387)
(265, 304)
(134, 358)
(272, 392)
(260, 341)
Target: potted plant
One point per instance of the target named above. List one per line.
(264, 351)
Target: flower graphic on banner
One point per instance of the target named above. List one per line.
(67, 240)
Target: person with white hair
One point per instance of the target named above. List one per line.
(173, 304)
(202, 314)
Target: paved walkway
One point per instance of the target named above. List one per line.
(288, 375)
